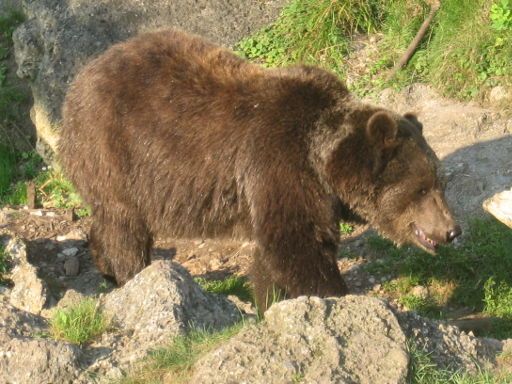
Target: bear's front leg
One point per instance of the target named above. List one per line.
(297, 257)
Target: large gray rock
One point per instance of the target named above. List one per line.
(158, 304)
(61, 35)
(354, 339)
(27, 359)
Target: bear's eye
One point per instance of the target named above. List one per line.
(422, 191)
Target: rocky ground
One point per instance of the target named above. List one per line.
(53, 269)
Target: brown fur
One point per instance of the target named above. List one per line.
(167, 133)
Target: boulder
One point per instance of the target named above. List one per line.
(158, 304)
(26, 358)
(59, 36)
(500, 206)
(353, 339)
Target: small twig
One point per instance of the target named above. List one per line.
(31, 195)
(416, 41)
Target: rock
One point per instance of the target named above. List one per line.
(28, 360)
(353, 339)
(70, 252)
(420, 291)
(70, 299)
(30, 293)
(75, 234)
(500, 206)
(59, 37)
(159, 303)
(499, 94)
(72, 266)
(446, 345)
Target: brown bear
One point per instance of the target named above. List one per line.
(168, 133)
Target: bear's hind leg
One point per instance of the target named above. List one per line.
(120, 246)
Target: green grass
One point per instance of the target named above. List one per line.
(56, 191)
(53, 190)
(4, 263)
(312, 32)
(9, 95)
(175, 362)
(465, 52)
(80, 323)
(233, 285)
(475, 275)
(7, 168)
(422, 370)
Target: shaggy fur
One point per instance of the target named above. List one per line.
(168, 133)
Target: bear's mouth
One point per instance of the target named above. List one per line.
(426, 242)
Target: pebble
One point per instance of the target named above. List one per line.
(420, 291)
(70, 251)
(49, 246)
(75, 234)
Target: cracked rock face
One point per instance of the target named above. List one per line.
(27, 358)
(354, 339)
(59, 36)
(163, 301)
(30, 293)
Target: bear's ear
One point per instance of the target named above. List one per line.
(382, 129)
(412, 118)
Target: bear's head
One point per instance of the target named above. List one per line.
(393, 181)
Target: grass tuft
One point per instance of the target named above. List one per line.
(79, 323)
(233, 285)
(173, 364)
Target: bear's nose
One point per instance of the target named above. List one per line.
(453, 233)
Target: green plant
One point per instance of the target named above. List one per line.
(57, 191)
(7, 165)
(233, 285)
(175, 361)
(4, 262)
(79, 323)
(423, 305)
(15, 169)
(501, 15)
(346, 229)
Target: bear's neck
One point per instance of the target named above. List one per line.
(348, 169)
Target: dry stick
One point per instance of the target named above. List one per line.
(417, 39)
